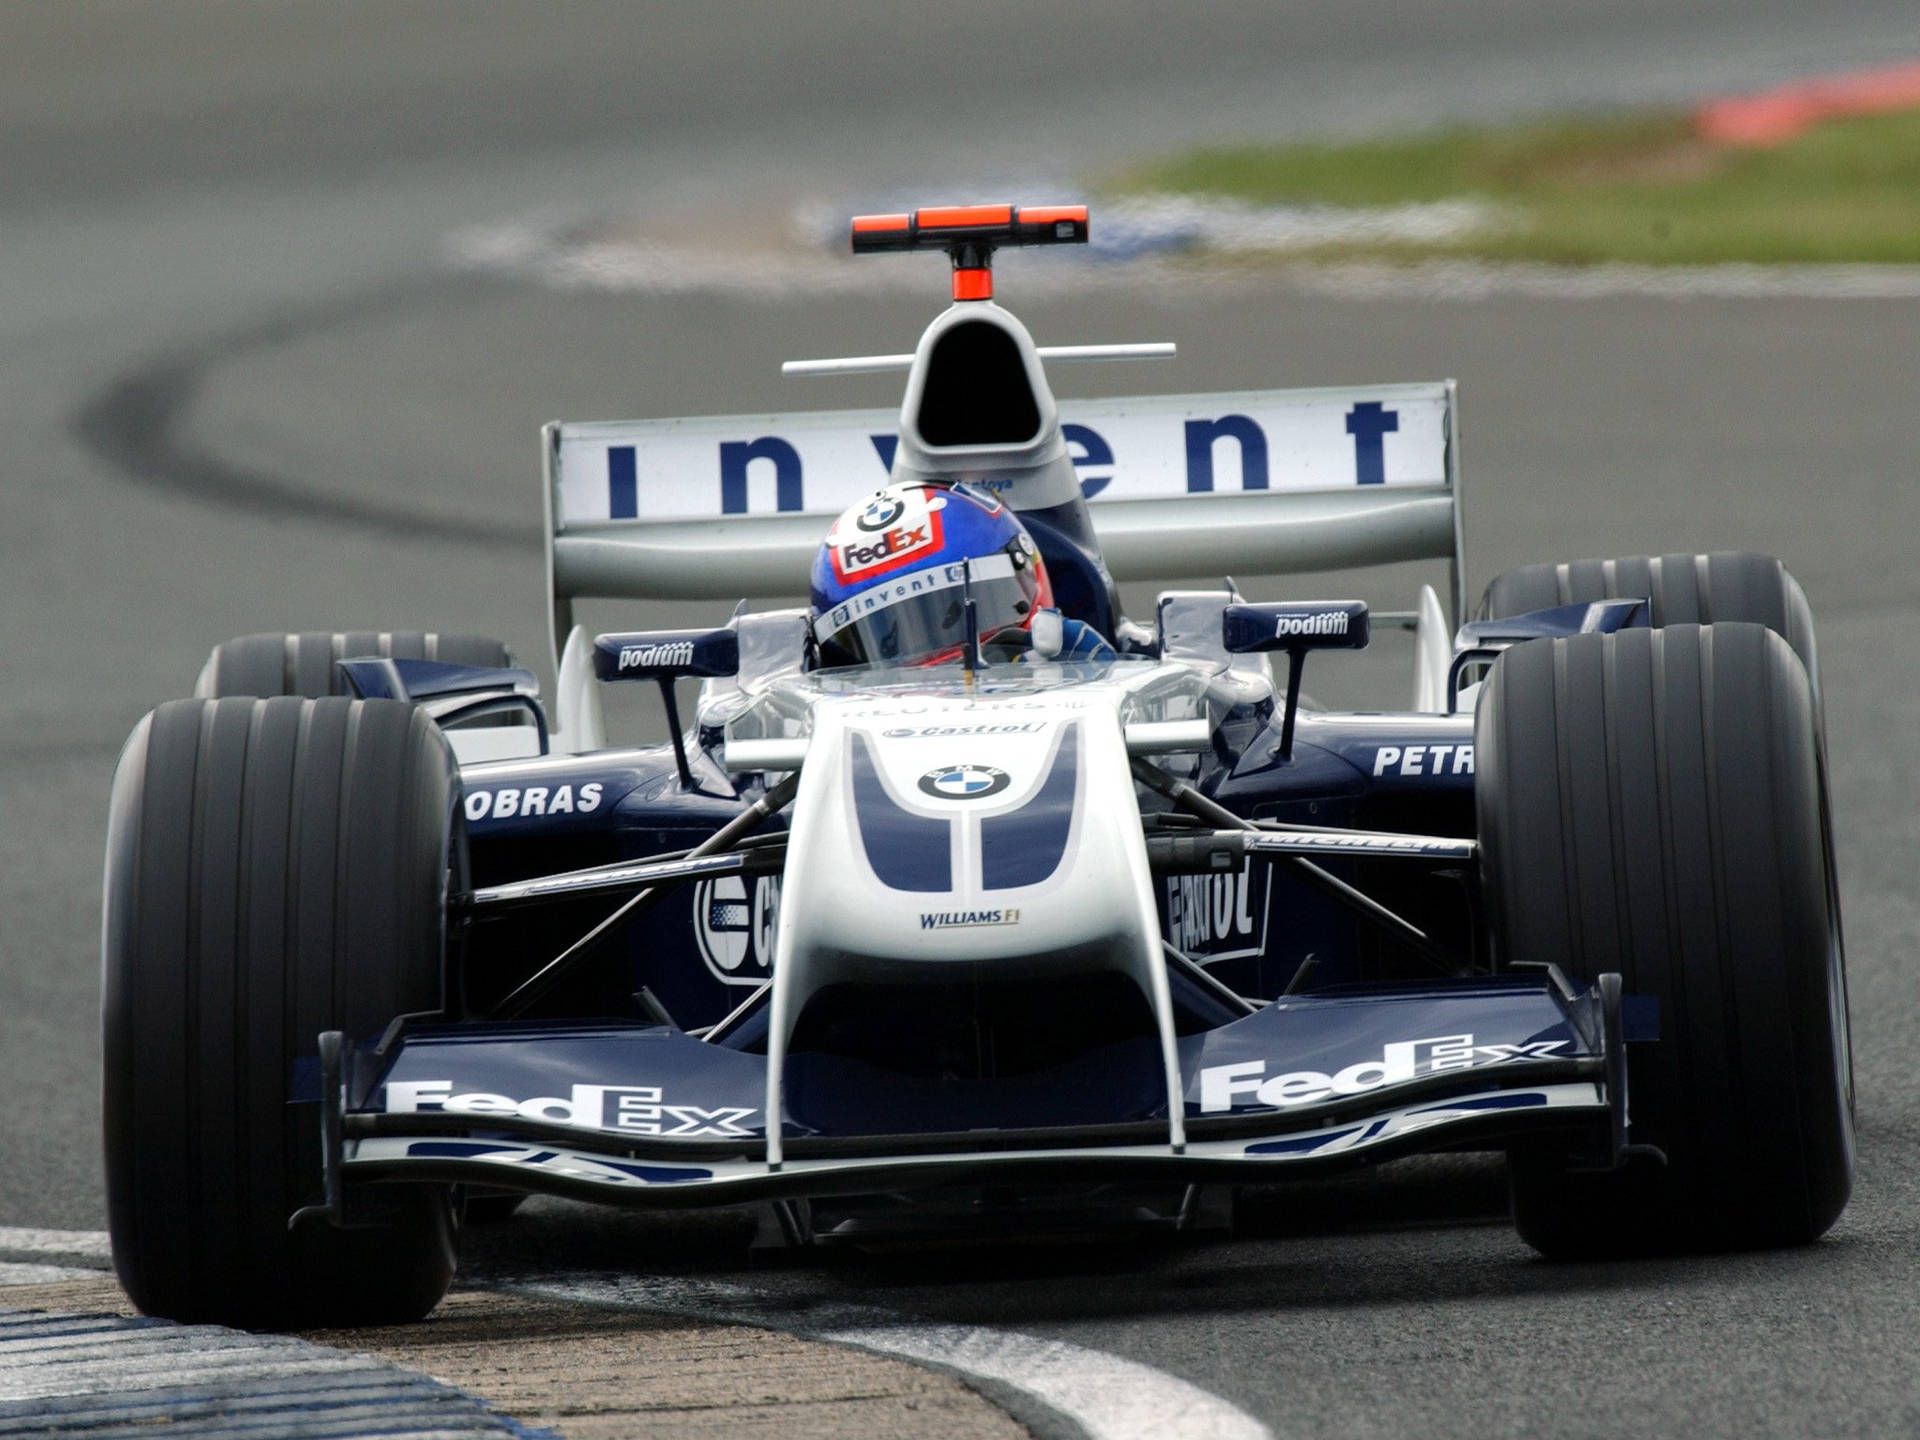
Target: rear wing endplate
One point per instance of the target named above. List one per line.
(1267, 482)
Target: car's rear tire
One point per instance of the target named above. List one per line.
(1653, 802)
(304, 664)
(1713, 589)
(275, 868)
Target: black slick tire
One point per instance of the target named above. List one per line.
(1711, 589)
(303, 664)
(1653, 802)
(275, 868)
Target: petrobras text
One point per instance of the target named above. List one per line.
(512, 800)
(1221, 1086)
(1424, 759)
(632, 1109)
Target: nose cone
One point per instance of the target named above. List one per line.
(959, 832)
(936, 836)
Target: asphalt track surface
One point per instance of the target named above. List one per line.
(231, 353)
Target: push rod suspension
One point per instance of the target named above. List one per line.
(557, 969)
(1336, 889)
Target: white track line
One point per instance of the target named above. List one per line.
(56, 1244)
(1110, 1398)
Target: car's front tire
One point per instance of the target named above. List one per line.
(1653, 802)
(275, 868)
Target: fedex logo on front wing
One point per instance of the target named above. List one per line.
(633, 1109)
(1223, 1086)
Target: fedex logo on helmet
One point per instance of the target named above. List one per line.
(891, 531)
(861, 557)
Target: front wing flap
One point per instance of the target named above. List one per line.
(650, 1116)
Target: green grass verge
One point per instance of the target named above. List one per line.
(1643, 189)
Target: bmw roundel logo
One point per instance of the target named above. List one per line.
(964, 782)
(881, 512)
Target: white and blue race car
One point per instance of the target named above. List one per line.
(385, 937)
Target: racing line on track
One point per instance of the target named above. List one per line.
(137, 423)
(101, 1370)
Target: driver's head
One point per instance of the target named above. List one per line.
(887, 582)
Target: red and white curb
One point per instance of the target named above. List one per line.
(1775, 116)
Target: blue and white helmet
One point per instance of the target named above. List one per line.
(887, 581)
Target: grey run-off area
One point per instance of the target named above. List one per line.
(220, 248)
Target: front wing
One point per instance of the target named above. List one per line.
(648, 1116)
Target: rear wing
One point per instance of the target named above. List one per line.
(1268, 482)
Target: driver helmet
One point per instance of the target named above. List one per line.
(887, 581)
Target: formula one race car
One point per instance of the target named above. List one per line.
(962, 893)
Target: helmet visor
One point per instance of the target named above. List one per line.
(920, 616)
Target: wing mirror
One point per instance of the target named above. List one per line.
(1295, 627)
(1306, 625)
(664, 656)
